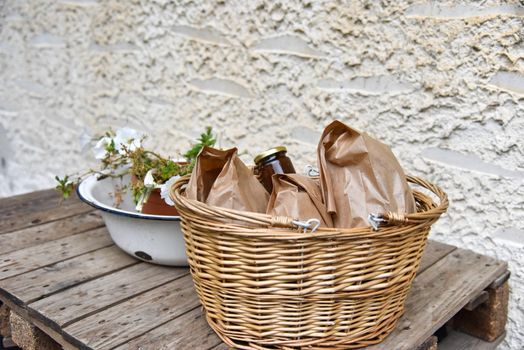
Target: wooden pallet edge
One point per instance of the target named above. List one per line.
(23, 313)
(487, 321)
(29, 337)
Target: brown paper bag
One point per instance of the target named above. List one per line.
(359, 176)
(221, 179)
(298, 197)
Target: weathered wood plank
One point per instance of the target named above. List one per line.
(500, 280)
(117, 325)
(34, 219)
(44, 281)
(479, 299)
(461, 341)
(39, 234)
(440, 292)
(189, 331)
(29, 337)
(434, 252)
(32, 258)
(222, 346)
(27, 202)
(70, 305)
(39, 211)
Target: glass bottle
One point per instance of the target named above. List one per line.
(272, 161)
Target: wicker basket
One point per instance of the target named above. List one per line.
(264, 283)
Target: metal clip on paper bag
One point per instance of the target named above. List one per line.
(299, 197)
(359, 176)
(221, 179)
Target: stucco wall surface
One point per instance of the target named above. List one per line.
(442, 83)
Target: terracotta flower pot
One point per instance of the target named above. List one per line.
(157, 206)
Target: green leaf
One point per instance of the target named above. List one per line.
(65, 187)
(206, 139)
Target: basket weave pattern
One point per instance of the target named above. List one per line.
(265, 284)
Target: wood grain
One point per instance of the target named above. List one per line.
(32, 258)
(39, 234)
(439, 293)
(189, 331)
(434, 252)
(52, 211)
(29, 202)
(44, 281)
(90, 297)
(117, 325)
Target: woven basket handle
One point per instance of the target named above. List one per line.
(392, 218)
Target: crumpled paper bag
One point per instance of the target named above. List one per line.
(298, 197)
(221, 179)
(359, 176)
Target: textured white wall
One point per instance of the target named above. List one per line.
(443, 84)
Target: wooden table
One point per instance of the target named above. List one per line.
(62, 280)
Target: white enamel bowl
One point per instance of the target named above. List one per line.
(153, 238)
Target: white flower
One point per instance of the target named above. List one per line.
(100, 148)
(164, 190)
(127, 137)
(149, 180)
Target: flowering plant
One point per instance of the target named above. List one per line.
(122, 153)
